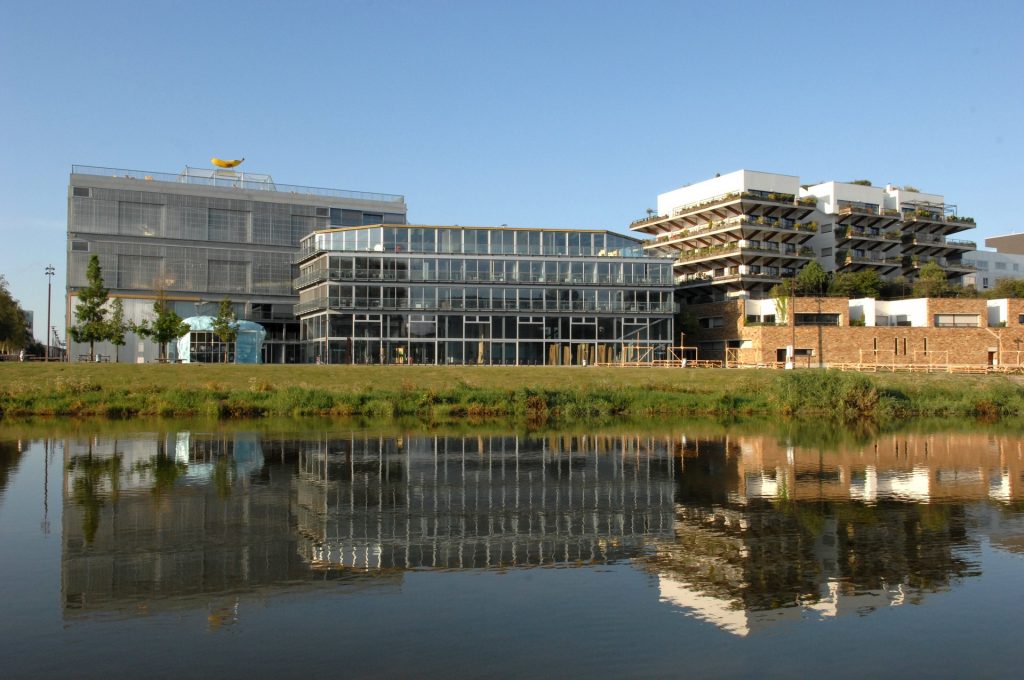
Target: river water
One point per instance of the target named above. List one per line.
(318, 548)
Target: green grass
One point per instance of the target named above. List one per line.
(523, 393)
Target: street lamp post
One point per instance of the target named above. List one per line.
(50, 271)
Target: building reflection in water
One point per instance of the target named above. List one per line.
(739, 531)
(479, 502)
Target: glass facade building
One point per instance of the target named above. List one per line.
(201, 236)
(462, 295)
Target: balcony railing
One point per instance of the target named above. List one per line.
(768, 196)
(849, 258)
(717, 225)
(309, 278)
(961, 243)
(374, 304)
(858, 232)
(646, 220)
(364, 276)
(931, 239)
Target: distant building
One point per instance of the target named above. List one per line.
(1007, 262)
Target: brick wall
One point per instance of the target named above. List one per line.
(826, 345)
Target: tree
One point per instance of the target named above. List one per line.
(862, 284)
(117, 327)
(165, 328)
(931, 282)
(225, 326)
(811, 279)
(14, 331)
(1007, 288)
(782, 292)
(896, 287)
(91, 309)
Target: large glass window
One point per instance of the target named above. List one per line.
(531, 327)
(950, 320)
(475, 240)
(534, 243)
(449, 240)
(422, 326)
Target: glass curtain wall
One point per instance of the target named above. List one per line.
(419, 295)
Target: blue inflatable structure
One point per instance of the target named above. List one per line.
(248, 345)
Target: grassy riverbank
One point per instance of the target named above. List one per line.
(534, 393)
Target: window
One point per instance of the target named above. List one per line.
(710, 322)
(817, 319)
(1001, 265)
(81, 192)
(140, 272)
(232, 226)
(139, 219)
(826, 252)
(228, 277)
(956, 320)
(80, 246)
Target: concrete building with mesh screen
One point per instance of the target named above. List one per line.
(201, 236)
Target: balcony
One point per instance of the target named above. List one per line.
(739, 221)
(310, 306)
(961, 243)
(309, 278)
(845, 257)
(710, 251)
(860, 233)
(751, 194)
(934, 240)
(650, 219)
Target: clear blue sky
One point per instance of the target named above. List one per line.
(552, 113)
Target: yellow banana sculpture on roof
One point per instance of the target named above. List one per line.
(221, 163)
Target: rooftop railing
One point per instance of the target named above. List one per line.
(230, 179)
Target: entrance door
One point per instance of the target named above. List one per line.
(991, 358)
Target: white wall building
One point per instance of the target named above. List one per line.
(739, 234)
(991, 267)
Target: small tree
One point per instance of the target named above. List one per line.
(165, 328)
(225, 326)
(117, 327)
(781, 293)
(1007, 288)
(862, 284)
(931, 282)
(811, 279)
(91, 309)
